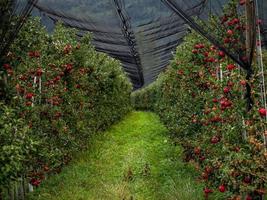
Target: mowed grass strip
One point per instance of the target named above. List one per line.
(133, 160)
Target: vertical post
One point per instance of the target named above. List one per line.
(250, 27)
(24, 186)
(16, 190)
(250, 14)
(261, 70)
(11, 192)
(30, 187)
(221, 73)
(21, 189)
(251, 36)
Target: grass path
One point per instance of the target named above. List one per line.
(133, 160)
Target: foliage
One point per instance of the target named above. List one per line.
(64, 91)
(146, 99)
(6, 22)
(16, 145)
(201, 100)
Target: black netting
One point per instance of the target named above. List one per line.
(202, 27)
(239, 33)
(262, 5)
(158, 35)
(142, 33)
(112, 34)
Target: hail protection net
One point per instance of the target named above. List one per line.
(238, 19)
(13, 14)
(262, 8)
(234, 27)
(142, 34)
(158, 32)
(111, 34)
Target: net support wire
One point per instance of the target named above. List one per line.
(130, 37)
(261, 69)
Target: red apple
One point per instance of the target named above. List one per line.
(247, 180)
(230, 32)
(214, 140)
(262, 112)
(207, 190)
(197, 150)
(231, 67)
(28, 103)
(221, 54)
(222, 188)
(248, 197)
(242, 2)
(6, 66)
(39, 72)
(29, 96)
(194, 51)
(227, 40)
(243, 82)
(226, 90)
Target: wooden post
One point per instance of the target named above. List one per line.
(16, 194)
(251, 31)
(11, 192)
(250, 28)
(250, 14)
(21, 189)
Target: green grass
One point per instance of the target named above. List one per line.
(133, 160)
